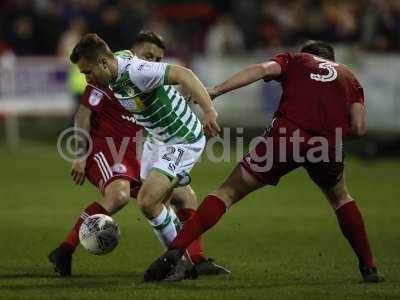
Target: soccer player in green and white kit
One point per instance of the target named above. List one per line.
(176, 139)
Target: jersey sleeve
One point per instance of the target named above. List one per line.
(147, 75)
(357, 93)
(92, 99)
(283, 59)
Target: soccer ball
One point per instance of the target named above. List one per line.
(99, 234)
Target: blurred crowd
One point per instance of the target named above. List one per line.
(211, 27)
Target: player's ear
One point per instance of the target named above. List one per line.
(104, 63)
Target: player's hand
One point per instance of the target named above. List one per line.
(211, 127)
(212, 91)
(78, 171)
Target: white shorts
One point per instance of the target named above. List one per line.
(170, 159)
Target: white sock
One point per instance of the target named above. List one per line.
(166, 226)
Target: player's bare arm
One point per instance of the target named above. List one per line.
(82, 123)
(268, 70)
(193, 86)
(357, 120)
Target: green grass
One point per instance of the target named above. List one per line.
(280, 243)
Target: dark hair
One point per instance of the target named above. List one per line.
(149, 37)
(91, 47)
(319, 48)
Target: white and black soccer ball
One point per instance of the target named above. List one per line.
(99, 234)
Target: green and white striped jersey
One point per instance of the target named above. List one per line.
(159, 108)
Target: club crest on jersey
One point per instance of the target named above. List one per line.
(119, 168)
(95, 97)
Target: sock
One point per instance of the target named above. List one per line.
(195, 249)
(352, 225)
(72, 239)
(166, 226)
(207, 215)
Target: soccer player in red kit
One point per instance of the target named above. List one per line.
(113, 167)
(322, 102)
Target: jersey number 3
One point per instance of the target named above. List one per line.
(326, 65)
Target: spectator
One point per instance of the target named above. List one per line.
(110, 28)
(22, 37)
(32, 27)
(69, 38)
(224, 38)
(76, 81)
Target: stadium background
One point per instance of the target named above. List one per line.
(281, 243)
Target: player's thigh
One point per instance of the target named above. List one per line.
(330, 178)
(148, 158)
(102, 168)
(184, 197)
(188, 155)
(239, 183)
(153, 189)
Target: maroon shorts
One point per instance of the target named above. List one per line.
(285, 147)
(102, 168)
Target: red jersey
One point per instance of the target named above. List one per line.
(109, 118)
(317, 93)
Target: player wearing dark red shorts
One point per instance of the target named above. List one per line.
(113, 166)
(322, 102)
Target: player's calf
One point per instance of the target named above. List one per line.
(351, 223)
(237, 186)
(163, 219)
(115, 197)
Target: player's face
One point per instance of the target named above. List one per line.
(149, 52)
(98, 74)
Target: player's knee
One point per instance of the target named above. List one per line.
(117, 199)
(117, 196)
(184, 198)
(121, 198)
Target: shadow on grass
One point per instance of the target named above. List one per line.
(42, 281)
(39, 281)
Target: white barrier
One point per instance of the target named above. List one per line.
(37, 87)
(254, 106)
(34, 87)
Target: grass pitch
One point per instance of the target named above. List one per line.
(280, 243)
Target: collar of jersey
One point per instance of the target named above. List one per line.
(122, 65)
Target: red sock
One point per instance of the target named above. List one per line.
(352, 225)
(207, 215)
(72, 239)
(195, 249)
